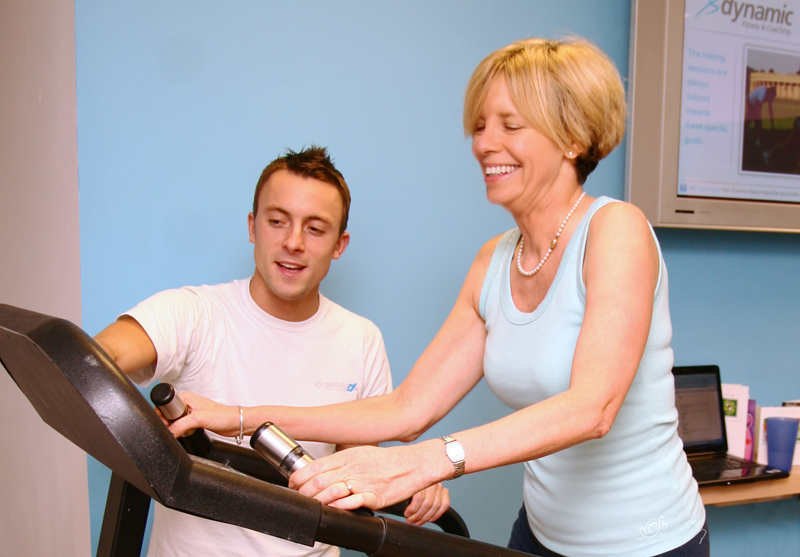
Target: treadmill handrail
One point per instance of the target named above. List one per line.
(251, 463)
(80, 392)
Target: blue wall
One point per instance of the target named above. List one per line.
(181, 104)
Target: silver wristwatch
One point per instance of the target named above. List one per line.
(455, 452)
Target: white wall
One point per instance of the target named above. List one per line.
(43, 482)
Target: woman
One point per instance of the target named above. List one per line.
(567, 318)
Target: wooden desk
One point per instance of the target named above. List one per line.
(756, 492)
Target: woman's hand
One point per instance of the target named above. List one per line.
(207, 414)
(378, 477)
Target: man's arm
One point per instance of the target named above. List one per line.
(128, 344)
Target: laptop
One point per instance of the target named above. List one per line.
(701, 427)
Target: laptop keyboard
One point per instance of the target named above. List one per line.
(717, 464)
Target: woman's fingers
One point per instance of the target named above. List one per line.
(318, 475)
(355, 501)
(375, 475)
(326, 480)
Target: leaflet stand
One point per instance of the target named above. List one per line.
(82, 394)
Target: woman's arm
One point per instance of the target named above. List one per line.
(621, 269)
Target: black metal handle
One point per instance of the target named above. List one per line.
(251, 463)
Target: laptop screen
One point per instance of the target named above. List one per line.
(698, 398)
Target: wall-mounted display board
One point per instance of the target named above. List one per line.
(714, 133)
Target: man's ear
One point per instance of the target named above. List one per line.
(251, 227)
(341, 245)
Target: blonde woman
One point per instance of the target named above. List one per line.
(567, 318)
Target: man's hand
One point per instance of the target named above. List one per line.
(427, 505)
(207, 414)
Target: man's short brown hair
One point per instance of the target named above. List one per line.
(313, 162)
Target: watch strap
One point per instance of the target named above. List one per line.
(458, 465)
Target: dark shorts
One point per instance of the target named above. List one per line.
(522, 539)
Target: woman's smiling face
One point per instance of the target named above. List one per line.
(517, 160)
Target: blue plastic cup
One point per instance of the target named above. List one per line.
(781, 441)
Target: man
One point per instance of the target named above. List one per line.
(756, 99)
(272, 339)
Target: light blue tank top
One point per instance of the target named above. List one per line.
(629, 493)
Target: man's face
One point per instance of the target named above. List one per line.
(296, 234)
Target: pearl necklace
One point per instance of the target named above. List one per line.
(553, 244)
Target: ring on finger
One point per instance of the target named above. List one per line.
(349, 487)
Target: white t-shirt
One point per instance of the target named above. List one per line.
(215, 341)
(757, 96)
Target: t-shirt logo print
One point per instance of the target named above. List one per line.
(653, 528)
(335, 386)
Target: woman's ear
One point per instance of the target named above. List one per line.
(573, 153)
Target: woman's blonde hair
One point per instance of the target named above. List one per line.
(569, 90)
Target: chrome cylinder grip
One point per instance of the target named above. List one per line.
(169, 403)
(279, 449)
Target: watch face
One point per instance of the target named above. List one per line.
(455, 451)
